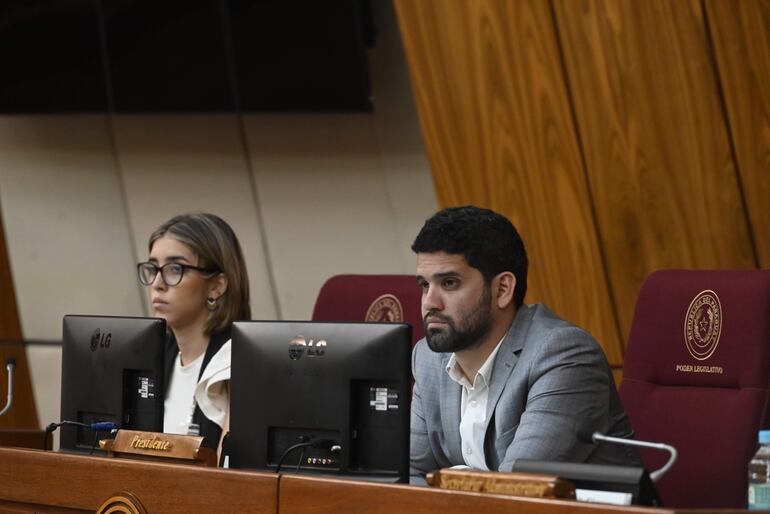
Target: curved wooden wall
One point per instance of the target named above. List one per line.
(23, 413)
(657, 150)
(605, 131)
(741, 39)
(10, 328)
(499, 133)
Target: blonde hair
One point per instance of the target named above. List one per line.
(217, 247)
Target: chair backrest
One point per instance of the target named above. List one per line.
(696, 375)
(393, 298)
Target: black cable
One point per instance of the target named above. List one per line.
(48, 431)
(287, 452)
(100, 426)
(96, 440)
(327, 444)
(71, 423)
(301, 457)
(51, 428)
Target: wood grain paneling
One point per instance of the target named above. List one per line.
(25, 438)
(656, 146)
(33, 481)
(308, 495)
(81, 482)
(499, 132)
(741, 38)
(23, 413)
(10, 328)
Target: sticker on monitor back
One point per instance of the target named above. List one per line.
(383, 399)
(146, 388)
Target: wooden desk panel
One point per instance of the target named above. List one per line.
(31, 508)
(24, 438)
(59, 482)
(306, 495)
(51, 482)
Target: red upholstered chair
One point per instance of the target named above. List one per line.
(394, 298)
(696, 375)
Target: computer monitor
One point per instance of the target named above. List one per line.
(343, 384)
(603, 482)
(112, 370)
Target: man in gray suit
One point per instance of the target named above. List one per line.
(497, 380)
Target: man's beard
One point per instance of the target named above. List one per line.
(474, 326)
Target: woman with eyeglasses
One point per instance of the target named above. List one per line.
(197, 281)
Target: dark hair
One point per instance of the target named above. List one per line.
(488, 241)
(216, 245)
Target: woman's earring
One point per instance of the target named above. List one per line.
(211, 303)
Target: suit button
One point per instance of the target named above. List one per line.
(468, 450)
(473, 403)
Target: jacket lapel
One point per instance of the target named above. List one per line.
(506, 359)
(451, 396)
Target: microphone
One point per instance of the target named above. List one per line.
(585, 437)
(10, 365)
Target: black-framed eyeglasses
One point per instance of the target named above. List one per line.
(171, 273)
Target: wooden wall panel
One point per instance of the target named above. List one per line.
(10, 328)
(22, 413)
(741, 38)
(656, 146)
(499, 132)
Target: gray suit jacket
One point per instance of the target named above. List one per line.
(549, 382)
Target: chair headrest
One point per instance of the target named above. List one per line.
(387, 298)
(702, 327)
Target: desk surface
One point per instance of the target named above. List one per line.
(36, 481)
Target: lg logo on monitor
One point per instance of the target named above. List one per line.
(100, 339)
(299, 346)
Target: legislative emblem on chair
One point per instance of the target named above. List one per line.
(385, 308)
(697, 376)
(703, 325)
(371, 298)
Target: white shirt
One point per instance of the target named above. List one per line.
(179, 405)
(473, 409)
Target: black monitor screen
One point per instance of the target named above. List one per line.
(343, 385)
(112, 370)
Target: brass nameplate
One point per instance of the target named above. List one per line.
(516, 484)
(159, 446)
(153, 443)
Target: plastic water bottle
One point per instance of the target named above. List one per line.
(759, 474)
